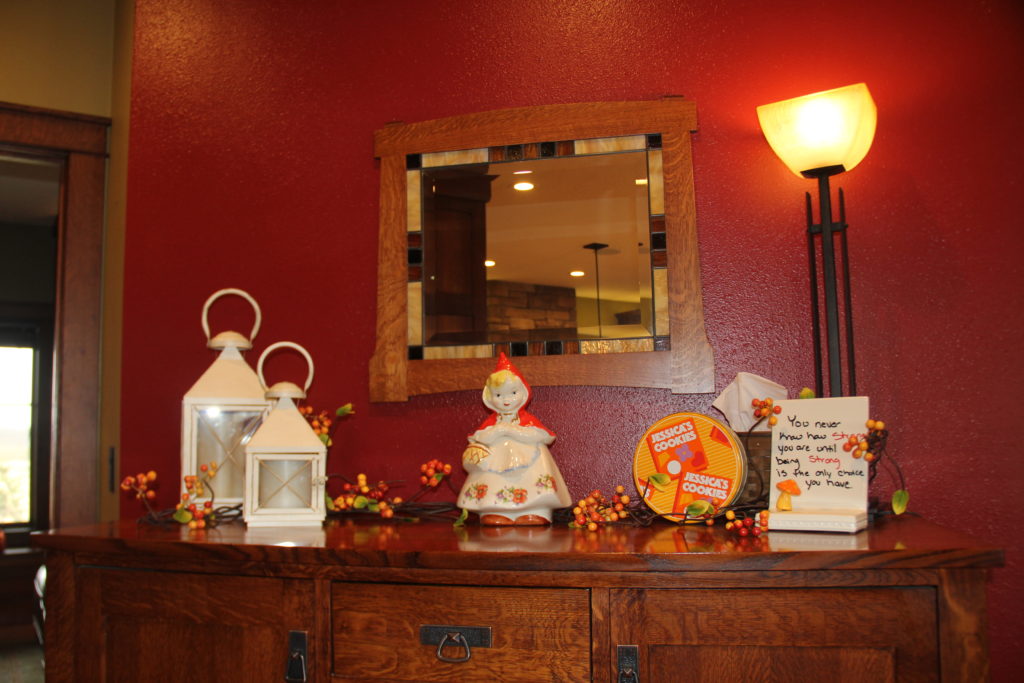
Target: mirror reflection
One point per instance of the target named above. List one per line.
(538, 250)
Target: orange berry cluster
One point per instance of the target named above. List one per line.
(198, 515)
(433, 472)
(765, 407)
(362, 496)
(745, 526)
(595, 510)
(140, 485)
(196, 484)
(320, 422)
(869, 447)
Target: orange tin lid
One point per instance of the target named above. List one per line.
(686, 457)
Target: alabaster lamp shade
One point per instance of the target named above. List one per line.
(825, 130)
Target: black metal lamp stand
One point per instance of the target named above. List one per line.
(596, 247)
(828, 229)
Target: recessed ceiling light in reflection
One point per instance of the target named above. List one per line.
(641, 181)
(576, 273)
(489, 263)
(523, 186)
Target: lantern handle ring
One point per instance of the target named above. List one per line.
(291, 345)
(231, 290)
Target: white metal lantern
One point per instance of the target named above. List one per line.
(285, 460)
(222, 410)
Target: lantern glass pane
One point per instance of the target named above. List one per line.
(285, 484)
(221, 436)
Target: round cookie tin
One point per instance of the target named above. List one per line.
(686, 457)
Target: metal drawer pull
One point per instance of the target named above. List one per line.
(464, 637)
(295, 668)
(628, 664)
(456, 639)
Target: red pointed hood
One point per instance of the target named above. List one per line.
(525, 418)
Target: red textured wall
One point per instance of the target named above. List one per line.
(251, 166)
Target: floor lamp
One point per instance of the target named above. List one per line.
(819, 136)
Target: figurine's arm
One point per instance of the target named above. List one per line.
(537, 435)
(527, 435)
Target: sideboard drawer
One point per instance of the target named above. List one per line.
(536, 634)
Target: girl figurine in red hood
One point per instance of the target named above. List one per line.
(512, 477)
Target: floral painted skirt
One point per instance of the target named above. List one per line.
(536, 488)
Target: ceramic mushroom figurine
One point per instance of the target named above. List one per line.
(787, 489)
(513, 479)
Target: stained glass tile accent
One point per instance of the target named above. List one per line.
(457, 158)
(622, 143)
(562, 148)
(413, 162)
(655, 182)
(661, 317)
(413, 202)
(414, 313)
(415, 256)
(662, 343)
(616, 345)
(475, 351)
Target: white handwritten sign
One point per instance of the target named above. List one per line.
(826, 487)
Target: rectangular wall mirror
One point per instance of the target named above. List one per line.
(561, 235)
(550, 254)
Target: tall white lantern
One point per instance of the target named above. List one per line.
(286, 461)
(223, 409)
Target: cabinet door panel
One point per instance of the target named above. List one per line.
(538, 634)
(164, 626)
(810, 634)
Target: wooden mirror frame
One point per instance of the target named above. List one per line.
(687, 367)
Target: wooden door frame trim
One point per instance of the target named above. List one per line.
(74, 455)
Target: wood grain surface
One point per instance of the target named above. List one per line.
(902, 600)
(688, 367)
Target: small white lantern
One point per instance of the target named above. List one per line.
(223, 409)
(285, 460)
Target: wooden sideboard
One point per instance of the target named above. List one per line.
(369, 600)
